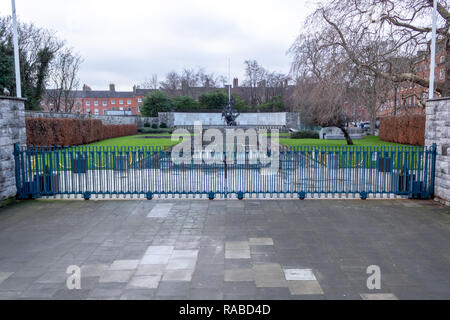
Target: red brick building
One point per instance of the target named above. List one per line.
(100, 102)
(408, 97)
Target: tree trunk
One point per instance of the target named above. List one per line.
(347, 136)
(373, 120)
(446, 91)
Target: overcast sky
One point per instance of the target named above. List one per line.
(124, 42)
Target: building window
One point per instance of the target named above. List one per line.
(96, 111)
(129, 109)
(88, 111)
(96, 103)
(128, 101)
(441, 74)
(113, 108)
(88, 103)
(113, 101)
(105, 103)
(139, 99)
(442, 59)
(121, 109)
(120, 101)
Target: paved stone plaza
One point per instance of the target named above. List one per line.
(199, 249)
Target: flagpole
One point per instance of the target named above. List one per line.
(16, 51)
(229, 81)
(433, 52)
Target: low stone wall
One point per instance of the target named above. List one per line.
(171, 119)
(438, 131)
(116, 120)
(279, 119)
(12, 130)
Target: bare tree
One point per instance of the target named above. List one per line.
(63, 78)
(325, 85)
(254, 74)
(172, 83)
(209, 80)
(330, 98)
(276, 83)
(402, 26)
(151, 83)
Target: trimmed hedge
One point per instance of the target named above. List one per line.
(151, 130)
(409, 129)
(306, 134)
(72, 132)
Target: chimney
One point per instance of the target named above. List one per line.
(207, 83)
(134, 89)
(86, 87)
(184, 85)
(235, 83)
(112, 87)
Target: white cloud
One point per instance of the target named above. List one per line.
(126, 41)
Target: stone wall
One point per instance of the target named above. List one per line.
(167, 118)
(140, 121)
(288, 119)
(438, 131)
(12, 130)
(293, 120)
(280, 119)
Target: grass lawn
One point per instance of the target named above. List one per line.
(137, 141)
(367, 141)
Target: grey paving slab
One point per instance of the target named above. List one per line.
(116, 276)
(307, 287)
(237, 254)
(147, 282)
(181, 263)
(261, 241)
(155, 259)
(239, 275)
(252, 249)
(178, 275)
(378, 296)
(5, 275)
(93, 270)
(299, 274)
(124, 265)
(150, 270)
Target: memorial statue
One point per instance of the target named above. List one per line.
(230, 114)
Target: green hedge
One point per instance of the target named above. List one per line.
(153, 130)
(306, 134)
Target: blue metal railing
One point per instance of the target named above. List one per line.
(297, 171)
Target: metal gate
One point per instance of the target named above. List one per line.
(301, 171)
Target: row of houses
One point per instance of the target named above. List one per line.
(112, 102)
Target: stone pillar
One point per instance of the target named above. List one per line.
(293, 120)
(12, 130)
(438, 131)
